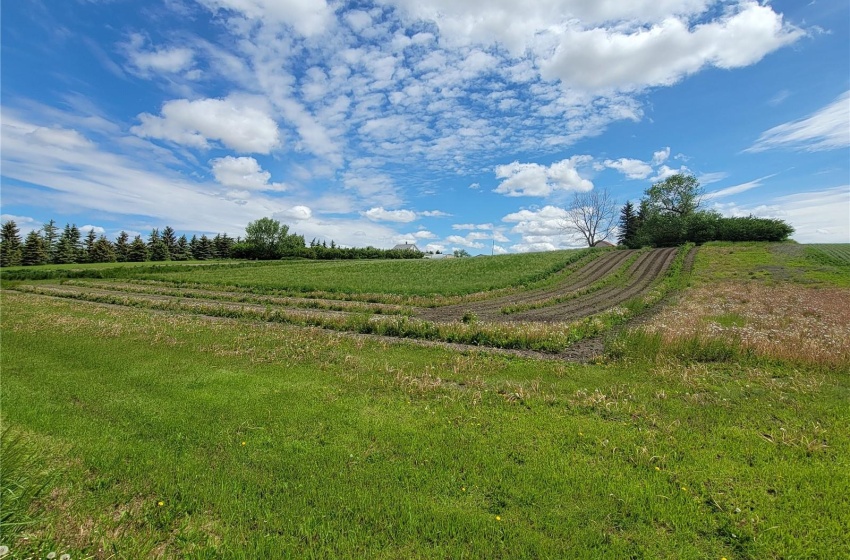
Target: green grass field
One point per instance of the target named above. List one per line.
(172, 435)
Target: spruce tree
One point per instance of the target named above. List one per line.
(193, 247)
(628, 226)
(51, 238)
(67, 249)
(122, 246)
(159, 251)
(205, 249)
(35, 250)
(181, 251)
(10, 244)
(103, 251)
(169, 237)
(89, 242)
(138, 250)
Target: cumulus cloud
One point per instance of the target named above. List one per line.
(163, 60)
(243, 173)
(233, 121)
(435, 214)
(424, 234)
(307, 17)
(631, 168)
(533, 179)
(297, 213)
(378, 214)
(608, 59)
(826, 129)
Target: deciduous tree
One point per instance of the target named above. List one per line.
(592, 215)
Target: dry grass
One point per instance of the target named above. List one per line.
(786, 322)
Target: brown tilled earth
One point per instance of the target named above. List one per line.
(641, 274)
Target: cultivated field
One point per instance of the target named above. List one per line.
(668, 403)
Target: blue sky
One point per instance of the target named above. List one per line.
(449, 123)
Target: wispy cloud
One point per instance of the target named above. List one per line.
(826, 129)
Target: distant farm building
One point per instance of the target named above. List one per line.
(406, 247)
(603, 243)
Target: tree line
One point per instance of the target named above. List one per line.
(669, 214)
(265, 239)
(50, 245)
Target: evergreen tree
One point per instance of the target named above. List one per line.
(224, 246)
(181, 251)
(68, 248)
(153, 238)
(204, 249)
(51, 238)
(193, 247)
(122, 247)
(169, 237)
(10, 244)
(138, 251)
(628, 226)
(90, 240)
(159, 251)
(103, 251)
(35, 250)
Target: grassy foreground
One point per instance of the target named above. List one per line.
(173, 435)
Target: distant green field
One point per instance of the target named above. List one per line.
(833, 253)
(409, 277)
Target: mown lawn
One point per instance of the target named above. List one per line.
(189, 437)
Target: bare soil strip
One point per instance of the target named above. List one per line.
(491, 309)
(643, 273)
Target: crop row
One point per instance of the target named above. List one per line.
(546, 337)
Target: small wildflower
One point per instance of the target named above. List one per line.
(658, 468)
(684, 489)
(243, 443)
(65, 556)
(160, 503)
(51, 555)
(4, 550)
(498, 518)
(463, 488)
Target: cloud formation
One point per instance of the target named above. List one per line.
(826, 129)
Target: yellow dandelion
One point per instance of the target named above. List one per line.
(160, 503)
(658, 468)
(463, 488)
(498, 518)
(684, 489)
(243, 443)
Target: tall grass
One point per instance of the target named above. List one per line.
(25, 476)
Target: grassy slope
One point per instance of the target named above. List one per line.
(357, 448)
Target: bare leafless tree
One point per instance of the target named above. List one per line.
(591, 214)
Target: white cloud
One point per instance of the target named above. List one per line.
(826, 129)
(435, 247)
(666, 171)
(96, 229)
(25, 223)
(307, 17)
(233, 121)
(533, 179)
(483, 227)
(243, 173)
(736, 189)
(168, 60)
(601, 59)
(660, 156)
(435, 214)
(457, 241)
(424, 234)
(631, 168)
(298, 213)
(379, 214)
